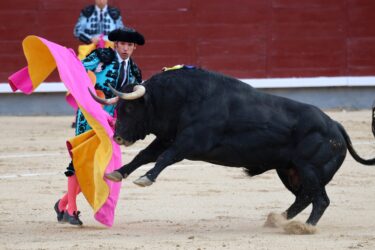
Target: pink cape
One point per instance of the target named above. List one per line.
(74, 76)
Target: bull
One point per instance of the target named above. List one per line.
(206, 116)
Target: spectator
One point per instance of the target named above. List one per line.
(94, 24)
(114, 67)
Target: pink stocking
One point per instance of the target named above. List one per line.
(64, 200)
(73, 191)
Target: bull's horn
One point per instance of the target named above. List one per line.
(138, 91)
(103, 101)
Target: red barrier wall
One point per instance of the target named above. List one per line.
(242, 38)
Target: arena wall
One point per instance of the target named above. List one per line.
(242, 38)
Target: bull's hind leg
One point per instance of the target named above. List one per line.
(292, 182)
(307, 188)
(313, 166)
(320, 202)
(311, 191)
(304, 193)
(313, 179)
(301, 202)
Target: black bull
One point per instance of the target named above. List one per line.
(205, 116)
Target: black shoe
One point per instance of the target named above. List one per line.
(73, 219)
(60, 215)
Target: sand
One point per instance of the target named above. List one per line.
(193, 205)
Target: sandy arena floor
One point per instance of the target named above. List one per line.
(193, 205)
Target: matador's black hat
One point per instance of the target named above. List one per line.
(126, 35)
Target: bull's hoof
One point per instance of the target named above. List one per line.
(114, 176)
(143, 181)
(296, 227)
(275, 220)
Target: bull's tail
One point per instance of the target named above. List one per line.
(373, 119)
(351, 149)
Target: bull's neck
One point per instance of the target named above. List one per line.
(161, 127)
(161, 123)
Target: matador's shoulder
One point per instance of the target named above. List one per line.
(114, 12)
(105, 55)
(87, 11)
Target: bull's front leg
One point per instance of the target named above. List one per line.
(191, 142)
(149, 154)
(165, 159)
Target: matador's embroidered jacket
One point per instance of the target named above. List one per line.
(93, 22)
(105, 65)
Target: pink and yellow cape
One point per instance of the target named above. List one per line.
(94, 152)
